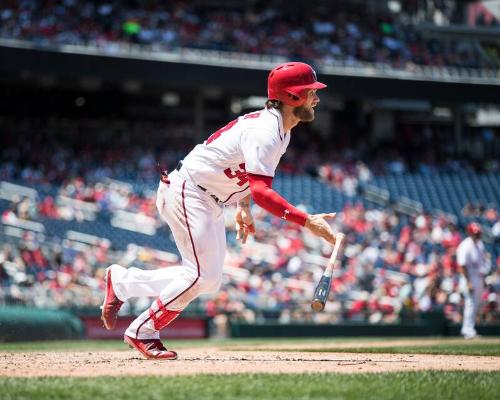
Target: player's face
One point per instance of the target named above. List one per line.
(305, 112)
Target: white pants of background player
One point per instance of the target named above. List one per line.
(471, 305)
(197, 224)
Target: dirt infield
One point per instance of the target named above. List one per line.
(221, 360)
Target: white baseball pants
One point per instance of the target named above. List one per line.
(197, 224)
(472, 302)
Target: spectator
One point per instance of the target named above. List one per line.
(325, 33)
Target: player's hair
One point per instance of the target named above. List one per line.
(274, 104)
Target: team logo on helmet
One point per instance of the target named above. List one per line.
(313, 72)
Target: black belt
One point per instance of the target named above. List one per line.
(213, 196)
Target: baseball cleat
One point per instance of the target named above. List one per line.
(152, 349)
(469, 336)
(111, 305)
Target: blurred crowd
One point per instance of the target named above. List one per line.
(394, 266)
(480, 210)
(63, 151)
(58, 150)
(482, 16)
(43, 273)
(49, 272)
(78, 200)
(323, 32)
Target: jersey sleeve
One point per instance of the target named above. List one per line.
(262, 150)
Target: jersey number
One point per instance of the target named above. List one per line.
(225, 128)
(216, 134)
(240, 174)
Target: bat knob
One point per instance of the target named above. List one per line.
(317, 305)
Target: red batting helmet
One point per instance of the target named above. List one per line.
(288, 82)
(474, 228)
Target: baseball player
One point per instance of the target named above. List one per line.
(235, 164)
(473, 265)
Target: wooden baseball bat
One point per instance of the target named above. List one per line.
(323, 288)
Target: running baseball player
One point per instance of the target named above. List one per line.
(473, 265)
(235, 164)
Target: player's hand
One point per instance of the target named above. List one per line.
(244, 223)
(470, 287)
(318, 224)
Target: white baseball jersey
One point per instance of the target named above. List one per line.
(472, 255)
(252, 143)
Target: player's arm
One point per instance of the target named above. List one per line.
(267, 198)
(244, 220)
(262, 147)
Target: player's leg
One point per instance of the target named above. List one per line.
(135, 282)
(471, 308)
(198, 228)
(125, 283)
(476, 301)
(468, 316)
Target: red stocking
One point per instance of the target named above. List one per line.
(162, 317)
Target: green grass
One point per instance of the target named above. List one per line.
(400, 385)
(407, 385)
(81, 345)
(452, 346)
(105, 345)
(64, 345)
(472, 349)
(459, 349)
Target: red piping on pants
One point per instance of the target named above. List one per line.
(197, 265)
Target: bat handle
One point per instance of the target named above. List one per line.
(339, 238)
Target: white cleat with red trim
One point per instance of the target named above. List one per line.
(152, 349)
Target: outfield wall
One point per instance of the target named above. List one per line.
(352, 329)
(181, 328)
(428, 324)
(30, 324)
